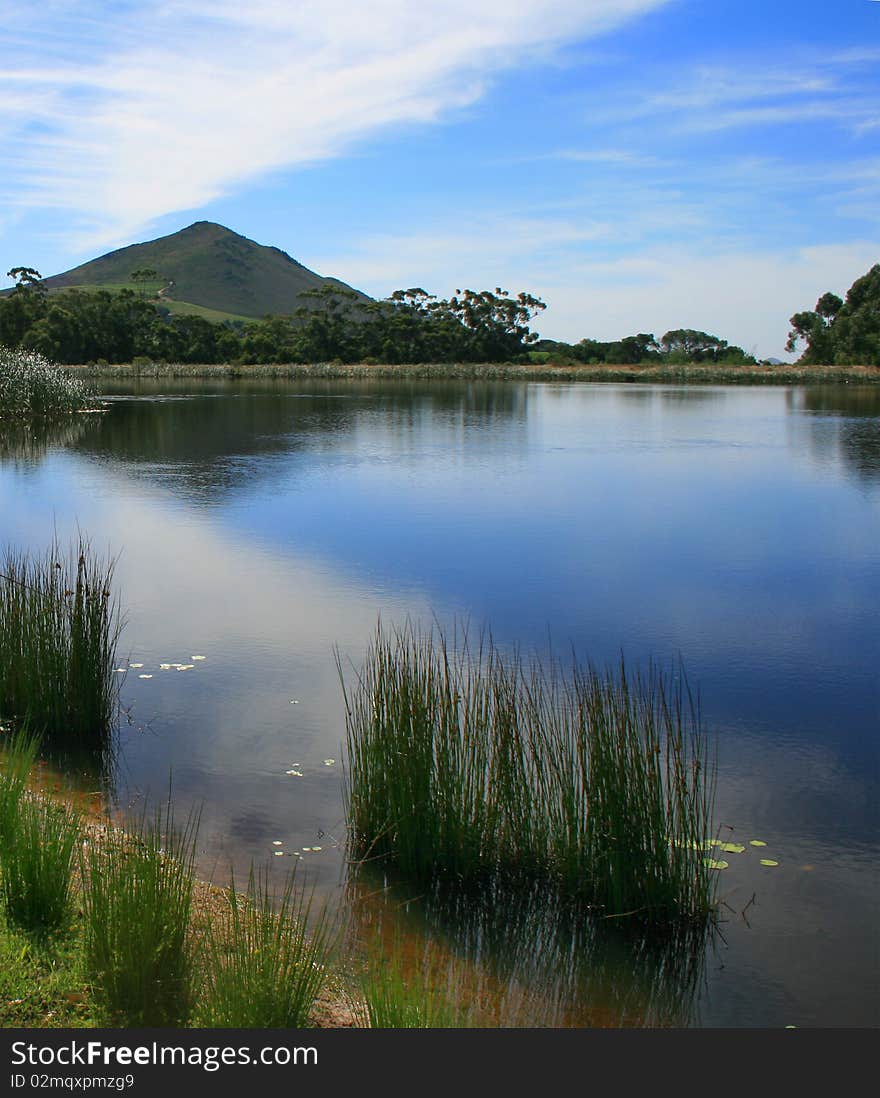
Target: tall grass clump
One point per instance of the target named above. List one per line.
(137, 900)
(37, 862)
(266, 962)
(33, 387)
(396, 996)
(18, 754)
(467, 765)
(59, 628)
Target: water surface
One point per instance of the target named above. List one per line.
(267, 525)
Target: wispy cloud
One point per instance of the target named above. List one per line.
(118, 113)
(724, 95)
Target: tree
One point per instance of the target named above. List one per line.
(27, 279)
(497, 324)
(841, 333)
(327, 324)
(143, 275)
(689, 345)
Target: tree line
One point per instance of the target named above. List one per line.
(411, 326)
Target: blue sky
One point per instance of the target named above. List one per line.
(639, 164)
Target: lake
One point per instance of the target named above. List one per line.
(268, 526)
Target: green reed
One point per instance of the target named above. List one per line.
(467, 765)
(266, 962)
(59, 628)
(398, 996)
(36, 865)
(137, 900)
(18, 754)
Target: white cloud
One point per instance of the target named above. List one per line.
(745, 297)
(120, 113)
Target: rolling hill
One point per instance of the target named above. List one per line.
(206, 266)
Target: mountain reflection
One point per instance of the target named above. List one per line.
(208, 440)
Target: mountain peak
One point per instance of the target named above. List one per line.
(210, 266)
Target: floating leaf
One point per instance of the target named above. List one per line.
(713, 864)
(294, 702)
(185, 667)
(145, 676)
(277, 842)
(278, 853)
(120, 670)
(768, 861)
(732, 848)
(165, 666)
(306, 849)
(329, 762)
(315, 849)
(198, 657)
(294, 773)
(757, 842)
(135, 665)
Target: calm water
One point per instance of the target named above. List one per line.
(260, 525)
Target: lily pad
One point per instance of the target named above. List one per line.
(732, 848)
(757, 842)
(712, 863)
(145, 676)
(768, 861)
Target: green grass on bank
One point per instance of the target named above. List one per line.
(42, 983)
(132, 950)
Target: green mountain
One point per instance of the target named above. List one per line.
(207, 266)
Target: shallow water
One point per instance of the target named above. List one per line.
(263, 525)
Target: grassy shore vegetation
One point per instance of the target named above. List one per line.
(543, 368)
(137, 899)
(471, 766)
(267, 960)
(134, 951)
(59, 628)
(391, 995)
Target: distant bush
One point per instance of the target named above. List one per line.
(32, 386)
